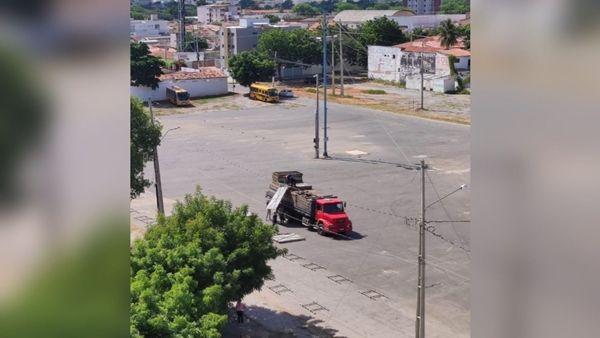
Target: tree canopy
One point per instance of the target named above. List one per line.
(305, 9)
(378, 32)
(144, 67)
(144, 136)
(298, 45)
(381, 32)
(272, 18)
(247, 4)
(287, 4)
(251, 66)
(344, 6)
(190, 42)
(455, 7)
(190, 265)
(448, 33)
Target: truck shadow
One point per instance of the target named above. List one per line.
(354, 235)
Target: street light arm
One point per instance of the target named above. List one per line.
(458, 189)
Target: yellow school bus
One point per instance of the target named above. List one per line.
(178, 96)
(263, 92)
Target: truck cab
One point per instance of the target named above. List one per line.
(330, 212)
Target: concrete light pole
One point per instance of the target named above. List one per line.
(324, 26)
(316, 140)
(420, 318)
(159, 196)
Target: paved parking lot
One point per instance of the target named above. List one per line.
(232, 153)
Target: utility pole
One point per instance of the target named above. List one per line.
(158, 184)
(422, 71)
(420, 320)
(332, 66)
(325, 85)
(341, 62)
(181, 14)
(316, 140)
(197, 54)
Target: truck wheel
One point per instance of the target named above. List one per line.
(320, 228)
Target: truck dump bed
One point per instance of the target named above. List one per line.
(299, 198)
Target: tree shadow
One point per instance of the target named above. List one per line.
(267, 323)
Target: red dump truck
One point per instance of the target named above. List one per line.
(289, 197)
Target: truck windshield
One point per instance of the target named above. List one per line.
(333, 208)
(183, 95)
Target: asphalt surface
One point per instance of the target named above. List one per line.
(231, 155)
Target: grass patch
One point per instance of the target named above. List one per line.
(401, 84)
(310, 90)
(374, 91)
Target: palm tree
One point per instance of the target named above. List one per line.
(448, 33)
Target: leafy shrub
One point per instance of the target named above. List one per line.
(374, 91)
(190, 265)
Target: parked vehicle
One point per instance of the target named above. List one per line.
(263, 92)
(289, 198)
(286, 93)
(178, 96)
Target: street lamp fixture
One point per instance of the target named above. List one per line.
(463, 186)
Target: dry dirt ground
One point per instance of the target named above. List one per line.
(230, 101)
(444, 107)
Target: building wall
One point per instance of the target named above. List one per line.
(422, 6)
(196, 88)
(463, 63)
(383, 63)
(148, 28)
(391, 64)
(217, 13)
(425, 21)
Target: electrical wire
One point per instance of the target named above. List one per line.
(446, 212)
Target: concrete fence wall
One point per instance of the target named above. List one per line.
(196, 88)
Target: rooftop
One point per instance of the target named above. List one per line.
(365, 15)
(201, 73)
(432, 44)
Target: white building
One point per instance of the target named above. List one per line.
(426, 21)
(354, 18)
(206, 81)
(423, 6)
(236, 39)
(148, 28)
(219, 12)
(403, 63)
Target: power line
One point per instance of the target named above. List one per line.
(445, 211)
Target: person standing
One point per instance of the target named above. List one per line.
(239, 309)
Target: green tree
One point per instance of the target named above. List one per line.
(190, 42)
(144, 136)
(448, 33)
(190, 265)
(465, 32)
(287, 4)
(251, 66)
(455, 7)
(298, 45)
(344, 6)
(247, 4)
(144, 67)
(379, 6)
(272, 18)
(305, 9)
(377, 32)
(24, 116)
